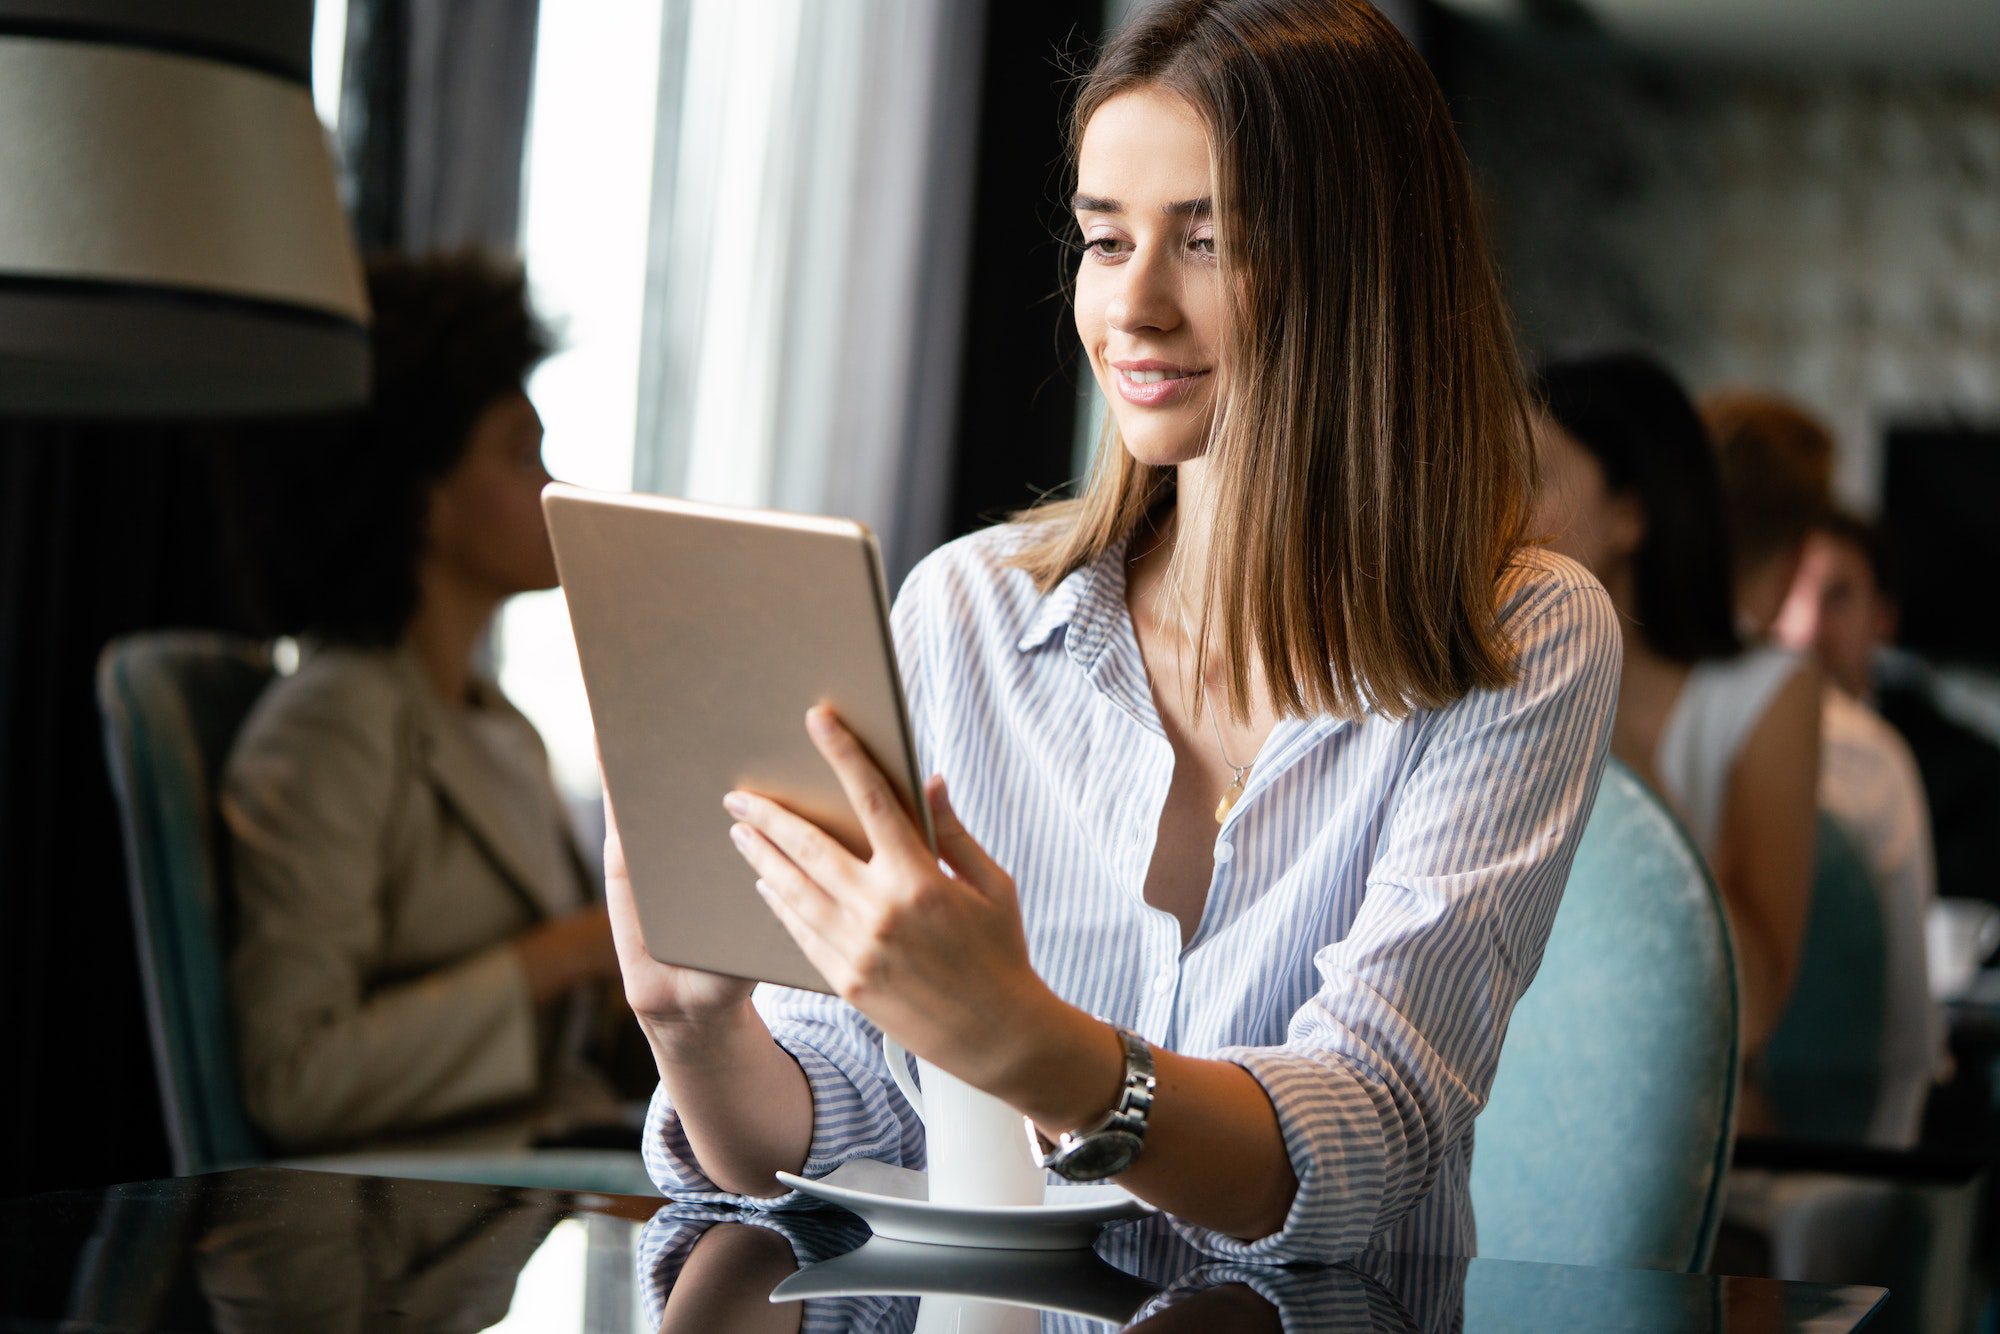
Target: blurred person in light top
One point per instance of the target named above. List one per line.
(1727, 733)
(419, 955)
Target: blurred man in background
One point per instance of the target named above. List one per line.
(1777, 465)
(1843, 610)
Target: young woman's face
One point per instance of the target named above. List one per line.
(1148, 298)
(485, 522)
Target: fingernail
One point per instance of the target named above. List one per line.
(766, 890)
(736, 804)
(820, 723)
(741, 834)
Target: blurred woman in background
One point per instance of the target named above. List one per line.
(417, 954)
(1728, 736)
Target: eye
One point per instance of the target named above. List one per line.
(1203, 245)
(1104, 247)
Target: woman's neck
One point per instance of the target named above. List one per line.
(451, 615)
(1166, 573)
(1179, 537)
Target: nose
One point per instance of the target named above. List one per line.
(1148, 295)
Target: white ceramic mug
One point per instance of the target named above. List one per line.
(966, 1315)
(975, 1144)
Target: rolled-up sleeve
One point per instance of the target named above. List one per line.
(857, 1111)
(1385, 1067)
(668, 1240)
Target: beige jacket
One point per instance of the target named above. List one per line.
(384, 858)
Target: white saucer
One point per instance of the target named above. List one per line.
(1076, 1284)
(893, 1202)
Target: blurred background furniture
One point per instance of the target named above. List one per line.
(1823, 1065)
(1607, 1134)
(1819, 1187)
(172, 702)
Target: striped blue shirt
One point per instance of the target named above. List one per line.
(1379, 899)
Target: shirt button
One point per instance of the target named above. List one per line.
(1223, 852)
(1163, 983)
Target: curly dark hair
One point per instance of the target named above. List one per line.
(332, 509)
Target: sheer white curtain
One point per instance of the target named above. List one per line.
(805, 285)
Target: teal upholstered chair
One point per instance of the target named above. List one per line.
(1607, 1133)
(1823, 1065)
(172, 703)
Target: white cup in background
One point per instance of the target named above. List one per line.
(965, 1315)
(1959, 935)
(975, 1144)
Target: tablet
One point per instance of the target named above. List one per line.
(706, 632)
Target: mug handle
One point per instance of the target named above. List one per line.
(899, 1070)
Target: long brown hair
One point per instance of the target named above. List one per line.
(1371, 448)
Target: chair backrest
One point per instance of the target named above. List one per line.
(172, 703)
(1823, 1068)
(1606, 1136)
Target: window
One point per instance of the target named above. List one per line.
(586, 195)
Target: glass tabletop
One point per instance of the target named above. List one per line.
(268, 1248)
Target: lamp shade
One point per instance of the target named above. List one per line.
(171, 240)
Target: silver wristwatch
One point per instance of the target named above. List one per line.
(1107, 1147)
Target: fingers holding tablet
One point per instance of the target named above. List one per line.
(884, 817)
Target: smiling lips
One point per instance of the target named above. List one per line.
(1153, 384)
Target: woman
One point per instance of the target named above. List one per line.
(1728, 736)
(414, 930)
(1294, 600)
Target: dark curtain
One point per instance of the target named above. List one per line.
(104, 530)
(1011, 447)
(433, 120)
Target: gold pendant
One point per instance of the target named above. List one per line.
(1228, 802)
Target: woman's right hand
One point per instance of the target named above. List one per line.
(666, 998)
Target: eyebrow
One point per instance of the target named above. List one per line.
(1179, 208)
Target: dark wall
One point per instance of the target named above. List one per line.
(1019, 382)
(1831, 232)
(103, 531)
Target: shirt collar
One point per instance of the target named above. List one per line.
(1081, 604)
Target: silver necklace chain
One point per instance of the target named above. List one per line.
(1241, 772)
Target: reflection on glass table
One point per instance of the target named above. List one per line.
(303, 1251)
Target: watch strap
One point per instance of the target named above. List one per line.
(1127, 1119)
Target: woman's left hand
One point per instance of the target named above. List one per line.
(937, 959)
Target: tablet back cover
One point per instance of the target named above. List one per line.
(705, 634)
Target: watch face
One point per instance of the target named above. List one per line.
(1099, 1156)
